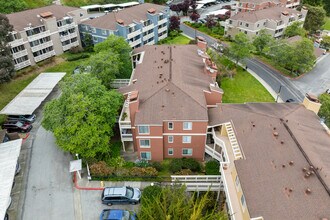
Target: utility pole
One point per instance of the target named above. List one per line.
(278, 93)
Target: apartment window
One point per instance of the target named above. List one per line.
(170, 139)
(187, 125)
(170, 126)
(186, 139)
(245, 32)
(93, 30)
(145, 155)
(104, 32)
(246, 25)
(94, 39)
(145, 143)
(237, 182)
(243, 200)
(86, 28)
(144, 129)
(230, 21)
(81, 14)
(170, 151)
(240, 23)
(257, 25)
(257, 33)
(186, 152)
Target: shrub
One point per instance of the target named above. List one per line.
(76, 49)
(101, 169)
(175, 165)
(77, 57)
(192, 42)
(129, 164)
(142, 163)
(122, 172)
(143, 171)
(116, 162)
(212, 167)
(150, 192)
(191, 164)
(115, 149)
(157, 166)
(184, 172)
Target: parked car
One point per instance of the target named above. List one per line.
(120, 195)
(290, 100)
(24, 118)
(117, 214)
(17, 126)
(327, 91)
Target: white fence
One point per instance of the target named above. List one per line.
(199, 182)
(118, 83)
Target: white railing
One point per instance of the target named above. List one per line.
(38, 36)
(160, 30)
(134, 43)
(22, 65)
(228, 200)
(69, 36)
(213, 153)
(162, 37)
(42, 46)
(20, 54)
(163, 21)
(118, 83)
(134, 34)
(68, 46)
(67, 26)
(45, 56)
(16, 43)
(151, 42)
(148, 36)
(199, 182)
(223, 146)
(126, 138)
(147, 28)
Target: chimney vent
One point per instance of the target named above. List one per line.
(151, 10)
(308, 191)
(275, 134)
(291, 163)
(282, 142)
(120, 21)
(167, 90)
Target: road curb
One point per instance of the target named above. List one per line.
(83, 188)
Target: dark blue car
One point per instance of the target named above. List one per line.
(117, 214)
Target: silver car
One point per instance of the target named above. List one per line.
(120, 195)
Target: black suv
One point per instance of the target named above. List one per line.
(17, 126)
(23, 118)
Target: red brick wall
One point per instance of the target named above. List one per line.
(213, 98)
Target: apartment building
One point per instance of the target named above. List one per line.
(43, 32)
(274, 160)
(253, 5)
(274, 20)
(165, 112)
(144, 24)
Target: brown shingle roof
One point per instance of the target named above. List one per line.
(266, 183)
(259, 1)
(20, 20)
(170, 89)
(273, 13)
(128, 15)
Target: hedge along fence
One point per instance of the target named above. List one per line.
(133, 178)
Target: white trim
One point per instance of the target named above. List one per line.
(168, 139)
(146, 137)
(188, 129)
(143, 126)
(207, 91)
(144, 146)
(189, 139)
(185, 134)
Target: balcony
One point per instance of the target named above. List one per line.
(135, 43)
(163, 21)
(68, 46)
(20, 54)
(38, 36)
(42, 46)
(134, 34)
(162, 37)
(69, 36)
(16, 42)
(148, 36)
(44, 56)
(147, 28)
(67, 26)
(160, 30)
(22, 65)
(124, 119)
(151, 42)
(126, 135)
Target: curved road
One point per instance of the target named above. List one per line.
(315, 82)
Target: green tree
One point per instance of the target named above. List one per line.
(262, 41)
(173, 203)
(326, 6)
(312, 2)
(105, 66)
(295, 29)
(83, 117)
(315, 19)
(118, 45)
(325, 108)
(7, 70)
(325, 43)
(303, 55)
(11, 6)
(240, 48)
(87, 42)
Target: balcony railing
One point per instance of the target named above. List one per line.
(134, 43)
(68, 46)
(199, 182)
(42, 46)
(69, 36)
(162, 37)
(67, 26)
(20, 54)
(134, 34)
(147, 28)
(160, 30)
(163, 21)
(151, 42)
(38, 36)
(16, 42)
(22, 65)
(45, 56)
(148, 36)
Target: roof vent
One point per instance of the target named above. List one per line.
(308, 191)
(120, 21)
(275, 134)
(304, 169)
(282, 142)
(291, 163)
(285, 13)
(167, 90)
(290, 190)
(151, 10)
(283, 165)
(274, 128)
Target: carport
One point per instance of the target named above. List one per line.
(28, 100)
(9, 153)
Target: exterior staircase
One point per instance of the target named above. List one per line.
(233, 141)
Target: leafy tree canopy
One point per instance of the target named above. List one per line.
(174, 23)
(326, 6)
(83, 117)
(313, 2)
(262, 41)
(325, 108)
(241, 47)
(117, 45)
(315, 19)
(11, 6)
(325, 43)
(294, 30)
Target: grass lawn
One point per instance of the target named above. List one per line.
(326, 26)
(37, 3)
(216, 32)
(180, 39)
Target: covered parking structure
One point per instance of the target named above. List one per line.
(30, 98)
(9, 153)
